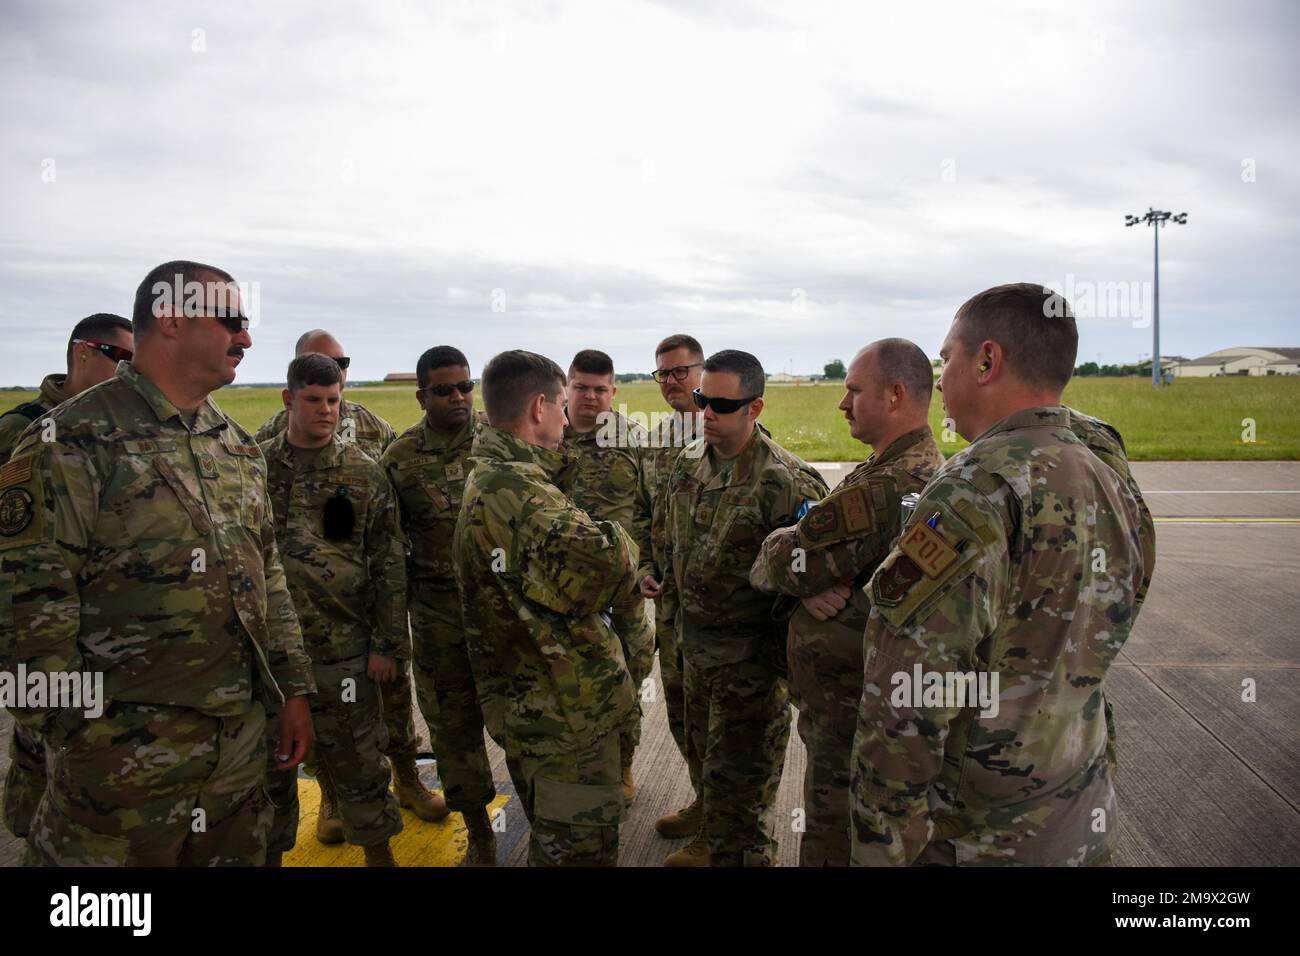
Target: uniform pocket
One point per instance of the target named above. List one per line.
(61, 841)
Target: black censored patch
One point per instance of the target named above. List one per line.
(339, 516)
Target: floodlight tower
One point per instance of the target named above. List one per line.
(1156, 218)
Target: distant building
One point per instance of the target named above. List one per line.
(400, 377)
(1241, 360)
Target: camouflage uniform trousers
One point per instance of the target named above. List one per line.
(738, 718)
(125, 787)
(573, 799)
(448, 698)
(638, 646)
(349, 747)
(399, 716)
(670, 675)
(825, 686)
(25, 781)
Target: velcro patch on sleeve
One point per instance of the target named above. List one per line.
(856, 503)
(16, 472)
(928, 550)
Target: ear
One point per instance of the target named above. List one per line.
(287, 397)
(897, 396)
(613, 391)
(755, 409)
(990, 362)
(419, 398)
(535, 409)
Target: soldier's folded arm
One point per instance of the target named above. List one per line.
(49, 505)
(574, 565)
(642, 518)
(386, 552)
(935, 599)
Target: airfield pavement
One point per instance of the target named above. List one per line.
(1205, 777)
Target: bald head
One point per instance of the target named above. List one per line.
(886, 392)
(890, 362)
(318, 340)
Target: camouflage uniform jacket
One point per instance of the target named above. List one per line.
(664, 443)
(345, 560)
(535, 572)
(1022, 561)
(607, 468)
(139, 547)
(15, 421)
(428, 472)
(719, 514)
(370, 432)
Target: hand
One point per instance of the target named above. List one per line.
(650, 588)
(830, 602)
(296, 734)
(381, 669)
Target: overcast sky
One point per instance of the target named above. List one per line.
(794, 179)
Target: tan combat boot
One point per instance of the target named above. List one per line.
(412, 795)
(381, 854)
(695, 853)
(682, 823)
(629, 785)
(329, 825)
(482, 850)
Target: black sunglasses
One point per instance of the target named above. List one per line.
(678, 372)
(442, 391)
(114, 352)
(233, 321)
(343, 362)
(723, 406)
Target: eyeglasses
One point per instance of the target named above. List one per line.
(678, 372)
(723, 406)
(343, 362)
(112, 351)
(442, 391)
(233, 321)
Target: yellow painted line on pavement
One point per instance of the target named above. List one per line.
(419, 844)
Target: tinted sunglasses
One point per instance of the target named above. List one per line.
(442, 391)
(723, 406)
(343, 362)
(112, 351)
(678, 372)
(233, 321)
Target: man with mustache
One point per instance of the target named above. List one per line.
(141, 545)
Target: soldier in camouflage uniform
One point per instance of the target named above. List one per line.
(1021, 565)
(536, 575)
(97, 343)
(605, 449)
(345, 560)
(678, 363)
(151, 506)
(827, 557)
(372, 435)
(723, 502)
(428, 465)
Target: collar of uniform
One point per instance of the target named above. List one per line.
(737, 469)
(1037, 417)
(493, 442)
(207, 419)
(431, 440)
(330, 455)
(901, 444)
(52, 389)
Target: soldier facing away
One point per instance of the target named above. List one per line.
(737, 488)
(826, 558)
(679, 360)
(536, 574)
(428, 465)
(345, 561)
(97, 343)
(373, 435)
(141, 546)
(606, 451)
(1017, 575)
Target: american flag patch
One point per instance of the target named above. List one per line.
(16, 472)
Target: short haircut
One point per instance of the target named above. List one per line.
(1034, 325)
(440, 356)
(680, 341)
(901, 360)
(300, 347)
(93, 326)
(142, 315)
(513, 379)
(752, 379)
(313, 368)
(592, 362)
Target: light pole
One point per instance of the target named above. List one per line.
(1156, 218)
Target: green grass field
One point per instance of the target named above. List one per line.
(1196, 419)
